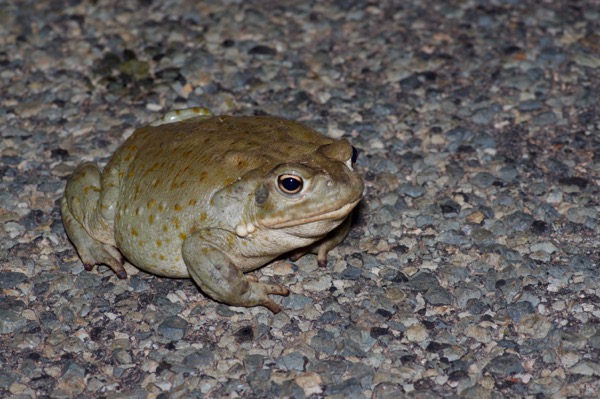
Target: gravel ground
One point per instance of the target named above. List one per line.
(470, 271)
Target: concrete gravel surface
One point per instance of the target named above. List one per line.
(471, 270)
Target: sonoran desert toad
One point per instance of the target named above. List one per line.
(213, 197)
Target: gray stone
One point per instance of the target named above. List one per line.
(388, 390)
(483, 179)
(483, 116)
(349, 388)
(505, 365)
(519, 221)
(517, 310)
(545, 118)
(296, 301)
(530, 105)
(323, 341)
(422, 281)
(547, 386)
(581, 262)
(438, 296)
(11, 279)
(88, 280)
(386, 214)
(484, 140)
(412, 190)
(453, 237)
(351, 273)
(482, 236)
(173, 328)
(254, 362)
(292, 361)
(11, 321)
(586, 367)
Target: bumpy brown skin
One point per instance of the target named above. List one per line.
(203, 197)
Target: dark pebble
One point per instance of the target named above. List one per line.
(422, 281)
(516, 311)
(519, 221)
(438, 296)
(11, 279)
(574, 181)
(505, 365)
(173, 328)
(411, 190)
(262, 50)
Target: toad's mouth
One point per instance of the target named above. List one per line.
(336, 214)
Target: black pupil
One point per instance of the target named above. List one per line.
(354, 154)
(291, 184)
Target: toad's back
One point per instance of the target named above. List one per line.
(166, 176)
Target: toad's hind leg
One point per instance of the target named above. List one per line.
(81, 215)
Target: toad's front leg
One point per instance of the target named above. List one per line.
(220, 279)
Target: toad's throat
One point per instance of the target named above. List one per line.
(340, 213)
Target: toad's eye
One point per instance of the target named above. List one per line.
(290, 184)
(354, 155)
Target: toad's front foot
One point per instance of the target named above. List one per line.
(261, 292)
(219, 278)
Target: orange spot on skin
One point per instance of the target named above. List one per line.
(151, 203)
(134, 232)
(161, 207)
(203, 216)
(164, 228)
(158, 243)
(178, 207)
(162, 257)
(192, 202)
(183, 236)
(176, 223)
(151, 219)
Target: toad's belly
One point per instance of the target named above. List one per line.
(163, 260)
(153, 247)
